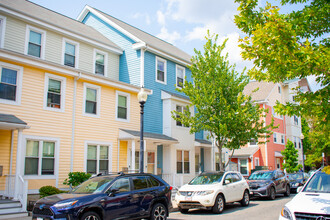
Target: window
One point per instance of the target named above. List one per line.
(35, 41)
(152, 181)
(180, 73)
(244, 166)
(236, 177)
(70, 53)
(299, 141)
(294, 98)
(182, 164)
(253, 141)
(54, 92)
(275, 138)
(100, 62)
(279, 138)
(295, 142)
(92, 99)
(98, 158)
(180, 109)
(275, 114)
(40, 157)
(122, 185)
(256, 161)
(151, 162)
(10, 83)
(122, 102)
(2, 30)
(229, 178)
(295, 120)
(140, 182)
(279, 89)
(197, 165)
(282, 139)
(137, 160)
(160, 70)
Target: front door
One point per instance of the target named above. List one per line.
(151, 162)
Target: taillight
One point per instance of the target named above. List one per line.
(171, 187)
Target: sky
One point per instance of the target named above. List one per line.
(183, 23)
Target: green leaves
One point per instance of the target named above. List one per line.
(290, 157)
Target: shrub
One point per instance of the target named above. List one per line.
(326, 169)
(75, 178)
(48, 191)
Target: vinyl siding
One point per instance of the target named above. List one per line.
(15, 35)
(130, 59)
(5, 141)
(123, 155)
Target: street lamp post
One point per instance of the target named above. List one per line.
(142, 98)
(302, 149)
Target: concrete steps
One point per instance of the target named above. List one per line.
(11, 209)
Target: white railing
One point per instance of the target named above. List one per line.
(21, 191)
(173, 179)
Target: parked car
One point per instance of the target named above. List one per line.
(296, 180)
(268, 183)
(312, 201)
(110, 197)
(212, 190)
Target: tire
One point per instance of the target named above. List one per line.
(287, 191)
(219, 204)
(183, 211)
(272, 193)
(246, 198)
(90, 216)
(158, 212)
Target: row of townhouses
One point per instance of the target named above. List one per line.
(68, 102)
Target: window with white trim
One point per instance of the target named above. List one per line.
(2, 30)
(181, 109)
(295, 142)
(40, 157)
(299, 142)
(197, 164)
(295, 120)
(183, 162)
(92, 99)
(282, 139)
(279, 89)
(160, 70)
(54, 92)
(122, 105)
(275, 114)
(279, 138)
(35, 42)
(98, 158)
(244, 166)
(100, 62)
(10, 83)
(275, 138)
(70, 53)
(180, 74)
(253, 142)
(256, 161)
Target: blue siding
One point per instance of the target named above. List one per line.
(199, 135)
(129, 69)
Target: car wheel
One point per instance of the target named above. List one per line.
(90, 216)
(287, 192)
(183, 211)
(159, 212)
(246, 198)
(272, 193)
(219, 204)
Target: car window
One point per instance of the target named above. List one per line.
(267, 175)
(94, 185)
(122, 185)
(207, 179)
(280, 174)
(320, 183)
(140, 182)
(152, 181)
(236, 177)
(229, 177)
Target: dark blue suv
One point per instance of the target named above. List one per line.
(124, 196)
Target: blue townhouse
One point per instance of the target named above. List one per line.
(170, 150)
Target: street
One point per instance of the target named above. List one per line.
(258, 209)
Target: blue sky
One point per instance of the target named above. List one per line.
(181, 22)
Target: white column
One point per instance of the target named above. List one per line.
(133, 155)
(19, 159)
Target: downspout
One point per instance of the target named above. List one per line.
(266, 151)
(142, 66)
(11, 153)
(73, 118)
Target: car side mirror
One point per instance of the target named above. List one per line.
(227, 182)
(299, 189)
(113, 192)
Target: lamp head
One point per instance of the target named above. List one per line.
(142, 95)
(302, 136)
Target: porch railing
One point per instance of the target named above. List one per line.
(20, 193)
(173, 179)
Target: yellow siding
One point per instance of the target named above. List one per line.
(46, 123)
(5, 140)
(123, 155)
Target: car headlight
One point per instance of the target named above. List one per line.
(63, 205)
(286, 213)
(204, 193)
(297, 184)
(263, 184)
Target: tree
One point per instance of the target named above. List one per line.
(288, 46)
(290, 156)
(220, 105)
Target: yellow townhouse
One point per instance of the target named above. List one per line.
(61, 103)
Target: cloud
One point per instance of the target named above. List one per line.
(161, 18)
(169, 37)
(143, 15)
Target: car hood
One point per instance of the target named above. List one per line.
(307, 202)
(199, 187)
(50, 200)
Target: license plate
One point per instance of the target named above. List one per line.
(39, 218)
(188, 198)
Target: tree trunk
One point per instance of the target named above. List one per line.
(219, 144)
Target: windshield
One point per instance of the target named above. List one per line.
(320, 183)
(94, 185)
(261, 175)
(209, 178)
(296, 176)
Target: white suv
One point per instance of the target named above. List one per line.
(212, 190)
